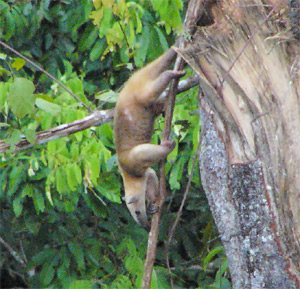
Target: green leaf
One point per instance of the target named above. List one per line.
(74, 176)
(18, 63)
(162, 38)
(223, 283)
(224, 266)
(10, 26)
(141, 52)
(96, 203)
(63, 269)
(98, 49)
(76, 171)
(48, 195)
(97, 16)
(211, 255)
(88, 38)
(15, 137)
(105, 132)
(104, 153)
(157, 4)
(39, 201)
(81, 284)
(108, 187)
(3, 181)
(134, 264)
(21, 99)
(42, 257)
(174, 183)
(60, 178)
(2, 55)
(16, 177)
(30, 135)
(76, 86)
(112, 162)
(93, 166)
(107, 96)
(4, 92)
(32, 225)
(47, 106)
(154, 281)
(18, 206)
(47, 274)
(4, 71)
(77, 252)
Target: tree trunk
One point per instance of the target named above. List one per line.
(248, 62)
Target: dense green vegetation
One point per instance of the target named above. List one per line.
(61, 209)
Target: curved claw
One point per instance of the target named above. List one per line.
(152, 208)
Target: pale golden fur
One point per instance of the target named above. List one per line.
(135, 112)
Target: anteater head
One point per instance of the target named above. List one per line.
(137, 208)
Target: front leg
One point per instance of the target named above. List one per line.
(154, 88)
(158, 85)
(161, 82)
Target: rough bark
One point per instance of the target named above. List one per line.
(248, 62)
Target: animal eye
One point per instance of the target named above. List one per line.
(137, 213)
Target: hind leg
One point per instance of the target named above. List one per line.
(146, 155)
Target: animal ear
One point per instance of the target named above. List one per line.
(133, 200)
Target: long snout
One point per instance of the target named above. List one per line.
(143, 221)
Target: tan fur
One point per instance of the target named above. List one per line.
(135, 112)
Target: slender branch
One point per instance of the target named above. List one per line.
(13, 272)
(179, 213)
(193, 12)
(13, 252)
(153, 235)
(45, 72)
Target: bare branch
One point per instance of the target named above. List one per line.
(94, 119)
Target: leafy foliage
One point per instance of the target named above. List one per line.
(60, 202)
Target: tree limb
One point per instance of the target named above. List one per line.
(94, 119)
